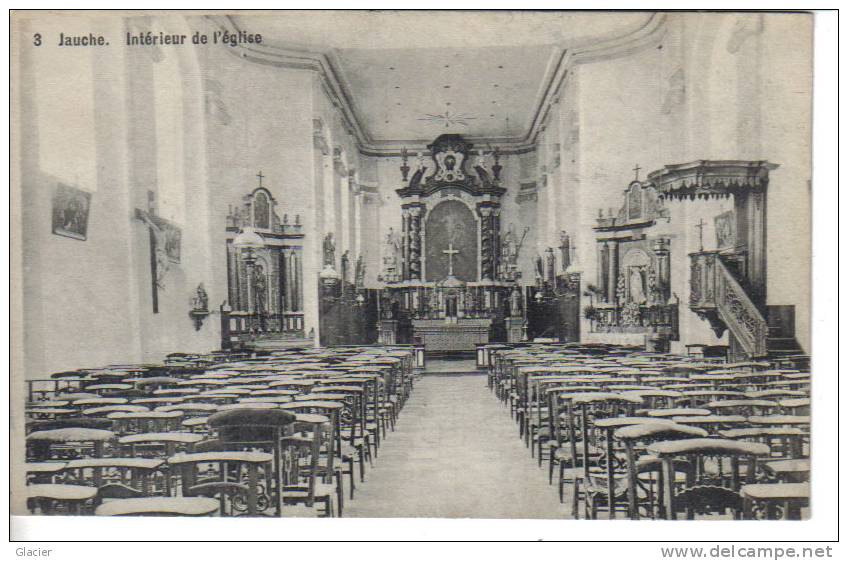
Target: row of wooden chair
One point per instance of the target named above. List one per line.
(657, 435)
(253, 433)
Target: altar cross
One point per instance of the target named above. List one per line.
(260, 176)
(700, 226)
(450, 252)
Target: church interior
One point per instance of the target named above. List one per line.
(373, 264)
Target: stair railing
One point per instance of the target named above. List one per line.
(717, 296)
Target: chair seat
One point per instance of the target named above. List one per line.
(44, 467)
(61, 492)
(129, 463)
(181, 506)
(161, 437)
(776, 491)
(564, 452)
(322, 490)
(71, 434)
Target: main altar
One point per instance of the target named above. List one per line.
(450, 277)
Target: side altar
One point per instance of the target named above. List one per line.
(450, 277)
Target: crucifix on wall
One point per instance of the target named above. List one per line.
(158, 264)
(165, 242)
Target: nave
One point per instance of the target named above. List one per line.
(455, 454)
(616, 431)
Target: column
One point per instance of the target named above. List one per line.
(612, 283)
(496, 242)
(405, 244)
(357, 248)
(489, 239)
(415, 213)
(345, 208)
(663, 273)
(339, 190)
(757, 245)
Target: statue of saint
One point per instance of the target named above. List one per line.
(482, 160)
(551, 265)
(260, 290)
(565, 249)
(540, 267)
(329, 251)
(360, 271)
(637, 286)
(390, 256)
(470, 301)
(345, 265)
(433, 304)
(508, 246)
(515, 302)
(201, 299)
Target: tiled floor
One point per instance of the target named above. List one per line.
(455, 453)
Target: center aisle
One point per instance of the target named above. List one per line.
(455, 453)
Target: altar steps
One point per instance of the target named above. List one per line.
(452, 366)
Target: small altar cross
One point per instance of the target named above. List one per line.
(700, 226)
(260, 176)
(450, 252)
(636, 169)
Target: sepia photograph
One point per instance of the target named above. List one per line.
(413, 264)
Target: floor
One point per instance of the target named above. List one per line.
(455, 453)
(451, 366)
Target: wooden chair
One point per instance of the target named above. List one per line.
(146, 421)
(49, 498)
(590, 407)
(324, 464)
(67, 443)
(254, 428)
(635, 437)
(235, 481)
(788, 471)
(743, 407)
(706, 492)
(116, 477)
(774, 501)
(784, 442)
(43, 472)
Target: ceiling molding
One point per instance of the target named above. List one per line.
(336, 88)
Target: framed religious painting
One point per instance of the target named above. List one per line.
(725, 230)
(71, 207)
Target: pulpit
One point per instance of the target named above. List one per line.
(445, 285)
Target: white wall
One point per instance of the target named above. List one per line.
(126, 124)
(716, 86)
(196, 125)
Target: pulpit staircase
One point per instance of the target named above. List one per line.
(721, 296)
